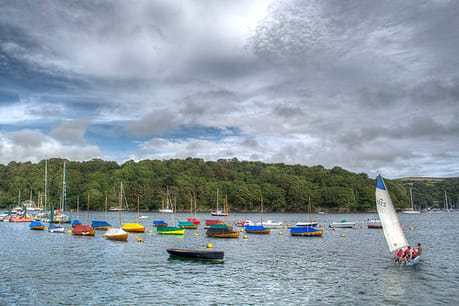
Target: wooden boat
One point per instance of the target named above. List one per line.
(393, 232)
(83, 230)
(194, 220)
(221, 231)
(187, 225)
(133, 227)
(197, 254)
(116, 234)
(257, 229)
(170, 230)
(306, 231)
(100, 225)
(37, 225)
(159, 223)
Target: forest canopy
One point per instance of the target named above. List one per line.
(281, 187)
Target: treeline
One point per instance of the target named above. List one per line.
(281, 187)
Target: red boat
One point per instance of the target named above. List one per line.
(83, 230)
(194, 220)
(213, 221)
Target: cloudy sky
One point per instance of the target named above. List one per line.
(364, 85)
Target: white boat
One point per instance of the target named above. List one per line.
(271, 224)
(218, 212)
(411, 210)
(168, 208)
(342, 224)
(374, 224)
(392, 229)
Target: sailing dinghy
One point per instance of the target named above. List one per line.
(393, 233)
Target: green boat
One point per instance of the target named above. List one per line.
(170, 230)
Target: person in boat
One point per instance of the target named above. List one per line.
(399, 256)
(410, 253)
(419, 251)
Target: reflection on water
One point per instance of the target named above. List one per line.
(345, 266)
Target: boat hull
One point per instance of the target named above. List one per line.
(117, 234)
(83, 230)
(342, 225)
(255, 229)
(168, 230)
(197, 254)
(222, 233)
(133, 228)
(306, 231)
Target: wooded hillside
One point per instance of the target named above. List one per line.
(282, 187)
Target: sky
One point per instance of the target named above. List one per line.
(363, 85)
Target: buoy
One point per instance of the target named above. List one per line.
(150, 231)
(196, 234)
(280, 233)
(245, 237)
(69, 231)
(104, 235)
(209, 245)
(333, 229)
(139, 239)
(241, 230)
(361, 226)
(342, 235)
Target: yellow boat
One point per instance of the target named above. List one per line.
(116, 234)
(170, 230)
(133, 227)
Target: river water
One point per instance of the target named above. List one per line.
(344, 267)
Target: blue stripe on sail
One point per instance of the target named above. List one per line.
(380, 183)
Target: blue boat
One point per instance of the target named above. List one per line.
(36, 225)
(307, 231)
(257, 229)
(159, 223)
(100, 225)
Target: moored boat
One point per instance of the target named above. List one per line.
(100, 225)
(170, 230)
(197, 254)
(159, 223)
(116, 234)
(306, 231)
(342, 224)
(56, 228)
(187, 225)
(133, 227)
(257, 229)
(83, 230)
(37, 225)
(374, 224)
(221, 231)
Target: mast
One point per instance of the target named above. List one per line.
(64, 191)
(411, 199)
(46, 184)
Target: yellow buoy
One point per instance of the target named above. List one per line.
(245, 237)
(196, 234)
(209, 245)
(342, 235)
(241, 230)
(139, 239)
(150, 231)
(280, 233)
(69, 231)
(104, 235)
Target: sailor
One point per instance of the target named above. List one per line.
(419, 249)
(399, 255)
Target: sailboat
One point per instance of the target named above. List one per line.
(218, 212)
(307, 230)
(130, 227)
(168, 208)
(222, 230)
(310, 222)
(392, 229)
(118, 234)
(190, 223)
(170, 230)
(102, 224)
(412, 210)
(259, 228)
(83, 229)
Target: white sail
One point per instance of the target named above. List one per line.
(395, 237)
